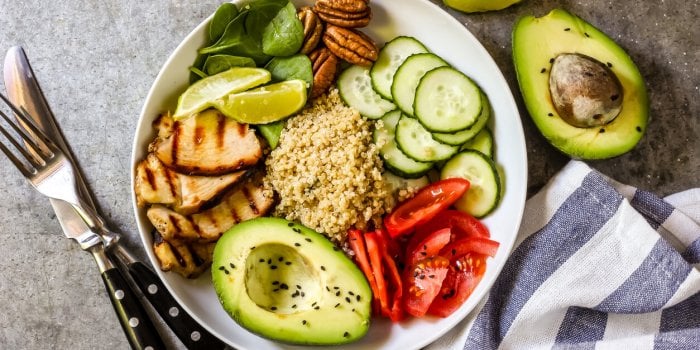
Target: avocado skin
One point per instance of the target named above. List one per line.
(536, 41)
(335, 308)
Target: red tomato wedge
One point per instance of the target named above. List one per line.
(357, 244)
(461, 280)
(426, 204)
(374, 249)
(461, 223)
(429, 246)
(396, 313)
(423, 284)
(461, 247)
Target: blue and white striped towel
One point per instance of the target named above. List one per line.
(596, 264)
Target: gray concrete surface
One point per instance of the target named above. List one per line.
(97, 59)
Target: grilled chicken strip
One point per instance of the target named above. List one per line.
(156, 184)
(189, 259)
(205, 144)
(245, 201)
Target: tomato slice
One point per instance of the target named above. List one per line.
(427, 203)
(461, 223)
(423, 284)
(396, 313)
(374, 249)
(461, 280)
(479, 245)
(357, 244)
(429, 246)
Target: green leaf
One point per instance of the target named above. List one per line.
(226, 13)
(236, 42)
(284, 35)
(219, 63)
(271, 132)
(292, 67)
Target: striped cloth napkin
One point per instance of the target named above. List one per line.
(597, 264)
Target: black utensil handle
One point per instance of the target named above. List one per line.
(191, 333)
(136, 324)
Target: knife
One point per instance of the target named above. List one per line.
(23, 90)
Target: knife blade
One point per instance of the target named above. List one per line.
(24, 90)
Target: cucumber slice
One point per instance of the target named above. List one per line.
(389, 59)
(397, 183)
(485, 190)
(482, 142)
(355, 88)
(460, 137)
(395, 160)
(407, 77)
(417, 143)
(447, 101)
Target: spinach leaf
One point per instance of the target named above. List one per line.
(271, 132)
(292, 67)
(219, 63)
(284, 34)
(261, 13)
(222, 17)
(236, 42)
(196, 70)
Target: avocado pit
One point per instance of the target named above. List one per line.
(584, 91)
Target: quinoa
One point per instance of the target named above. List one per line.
(326, 171)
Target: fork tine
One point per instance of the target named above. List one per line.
(33, 160)
(20, 166)
(48, 149)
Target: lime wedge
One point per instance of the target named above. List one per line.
(200, 95)
(265, 104)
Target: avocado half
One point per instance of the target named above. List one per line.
(479, 5)
(286, 282)
(537, 42)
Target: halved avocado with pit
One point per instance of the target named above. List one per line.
(582, 90)
(286, 282)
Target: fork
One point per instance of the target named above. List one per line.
(45, 166)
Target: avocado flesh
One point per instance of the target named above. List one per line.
(536, 42)
(262, 266)
(479, 5)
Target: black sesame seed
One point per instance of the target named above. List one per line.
(336, 287)
(421, 277)
(609, 65)
(423, 253)
(222, 268)
(425, 247)
(290, 224)
(269, 261)
(284, 286)
(276, 290)
(550, 114)
(298, 286)
(351, 293)
(296, 230)
(274, 283)
(226, 271)
(567, 29)
(295, 294)
(336, 305)
(454, 251)
(302, 294)
(287, 263)
(280, 259)
(317, 307)
(273, 308)
(358, 297)
(232, 265)
(586, 34)
(601, 131)
(294, 306)
(323, 268)
(431, 276)
(347, 299)
(353, 310)
(415, 274)
(328, 289)
(262, 260)
(314, 304)
(253, 247)
(303, 322)
(273, 267)
(337, 294)
(346, 334)
(543, 70)
(308, 239)
(639, 129)
(297, 244)
(551, 60)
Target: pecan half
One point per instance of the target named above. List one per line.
(313, 29)
(344, 13)
(350, 45)
(324, 65)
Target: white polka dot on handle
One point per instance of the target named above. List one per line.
(133, 322)
(148, 348)
(153, 289)
(195, 336)
(119, 294)
(174, 311)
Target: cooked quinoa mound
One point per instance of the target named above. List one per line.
(326, 171)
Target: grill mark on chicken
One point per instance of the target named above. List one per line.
(234, 215)
(198, 136)
(175, 223)
(242, 129)
(150, 178)
(178, 257)
(176, 140)
(221, 130)
(172, 178)
(195, 257)
(251, 200)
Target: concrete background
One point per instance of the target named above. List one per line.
(97, 59)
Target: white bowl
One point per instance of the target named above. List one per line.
(449, 39)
